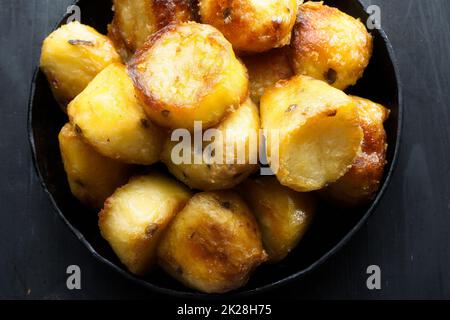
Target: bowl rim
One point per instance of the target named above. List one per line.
(234, 294)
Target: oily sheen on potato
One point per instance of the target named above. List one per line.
(136, 215)
(134, 21)
(227, 161)
(282, 214)
(72, 56)
(318, 132)
(330, 45)
(110, 118)
(360, 183)
(252, 25)
(213, 244)
(92, 177)
(265, 69)
(188, 72)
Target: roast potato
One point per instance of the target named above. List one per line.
(317, 131)
(72, 56)
(108, 116)
(330, 45)
(238, 158)
(135, 20)
(92, 177)
(136, 215)
(265, 69)
(213, 244)
(188, 72)
(360, 183)
(252, 25)
(283, 215)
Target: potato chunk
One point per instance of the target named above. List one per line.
(318, 132)
(283, 214)
(109, 117)
(135, 20)
(72, 56)
(266, 69)
(239, 144)
(252, 25)
(213, 244)
(186, 73)
(330, 45)
(361, 182)
(136, 215)
(92, 177)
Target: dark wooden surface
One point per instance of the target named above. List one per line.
(408, 236)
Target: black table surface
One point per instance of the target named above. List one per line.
(408, 235)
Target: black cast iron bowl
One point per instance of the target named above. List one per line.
(331, 228)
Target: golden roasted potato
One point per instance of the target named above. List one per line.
(238, 158)
(316, 129)
(213, 244)
(330, 45)
(283, 215)
(361, 182)
(266, 69)
(92, 177)
(108, 116)
(252, 25)
(135, 20)
(186, 73)
(136, 215)
(72, 56)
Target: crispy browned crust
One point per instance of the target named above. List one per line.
(330, 45)
(173, 11)
(266, 69)
(118, 42)
(158, 13)
(231, 251)
(369, 165)
(304, 32)
(139, 57)
(361, 182)
(153, 103)
(237, 21)
(146, 96)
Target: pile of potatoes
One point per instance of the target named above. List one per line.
(237, 66)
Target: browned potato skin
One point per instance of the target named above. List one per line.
(283, 214)
(92, 177)
(330, 45)
(178, 88)
(137, 214)
(249, 26)
(72, 56)
(119, 43)
(361, 182)
(213, 244)
(265, 69)
(135, 20)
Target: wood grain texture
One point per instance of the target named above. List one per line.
(407, 236)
